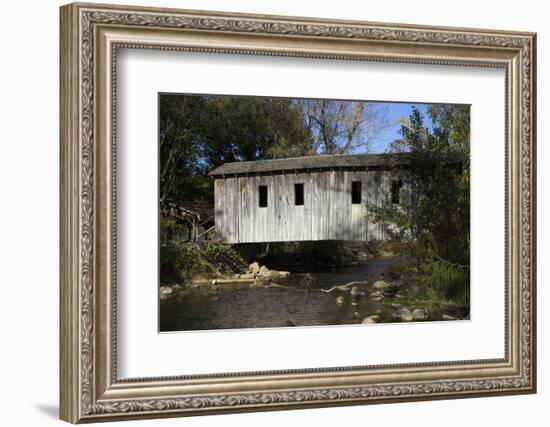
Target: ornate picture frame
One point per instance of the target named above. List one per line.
(90, 37)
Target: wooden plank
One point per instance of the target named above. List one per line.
(290, 210)
(326, 200)
(279, 214)
(226, 200)
(231, 211)
(219, 220)
(327, 213)
(298, 211)
(364, 219)
(308, 208)
(330, 192)
(263, 213)
(357, 219)
(347, 223)
(284, 208)
(339, 205)
(371, 202)
(245, 196)
(316, 212)
(253, 209)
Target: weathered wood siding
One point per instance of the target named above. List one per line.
(327, 212)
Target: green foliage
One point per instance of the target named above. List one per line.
(180, 262)
(452, 281)
(432, 223)
(199, 133)
(223, 257)
(171, 229)
(434, 218)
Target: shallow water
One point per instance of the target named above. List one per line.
(234, 306)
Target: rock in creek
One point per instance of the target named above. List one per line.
(447, 317)
(419, 314)
(340, 300)
(356, 292)
(404, 314)
(254, 268)
(370, 320)
(264, 271)
(380, 284)
(273, 275)
(165, 292)
(376, 296)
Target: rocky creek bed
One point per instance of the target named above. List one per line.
(259, 298)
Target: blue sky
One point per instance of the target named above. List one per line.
(393, 112)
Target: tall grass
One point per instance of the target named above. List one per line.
(449, 280)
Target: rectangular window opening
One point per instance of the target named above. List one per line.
(262, 192)
(395, 190)
(299, 194)
(356, 192)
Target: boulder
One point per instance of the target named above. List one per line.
(395, 306)
(380, 284)
(165, 292)
(340, 300)
(376, 296)
(447, 317)
(404, 314)
(356, 292)
(284, 274)
(419, 314)
(370, 320)
(264, 271)
(247, 276)
(254, 268)
(273, 275)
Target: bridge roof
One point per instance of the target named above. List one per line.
(319, 162)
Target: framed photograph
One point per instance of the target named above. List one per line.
(266, 212)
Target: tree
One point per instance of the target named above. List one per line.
(434, 223)
(180, 121)
(432, 226)
(253, 128)
(341, 127)
(199, 133)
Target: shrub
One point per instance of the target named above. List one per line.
(181, 261)
(451, 281)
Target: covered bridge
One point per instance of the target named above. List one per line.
(324, 197)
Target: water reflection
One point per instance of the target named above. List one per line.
(233, 306)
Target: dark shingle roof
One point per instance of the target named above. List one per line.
(333, 161)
